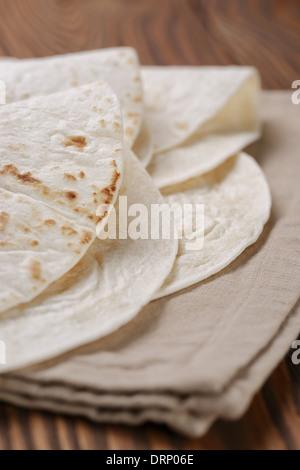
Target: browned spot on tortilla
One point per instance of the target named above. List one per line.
(109, 191)
(131, 61)
(18, 146)
(71, 195)
(86, 238)
(4, 218)
(35, 270)
(136, 79)
(49, 222)
(118, 150)
(182, 125)
(78, 141)
(12, 170)
(117, 116)
(69, 231)
(74, 83)
(81, 174)
(69, 244)
(131, 114)
(117, 126)
(45, 190)
(6, 242)
(95, 201)
(137, 99)
(129, 131)
(69, 177)
(27, 229)
(102, 122)
(34, 243)
(108, 100)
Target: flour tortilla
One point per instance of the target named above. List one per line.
(197, 156)
(60, 157)
(180, 101)
(237, 204)
(119, 67)
(143, 146)
(106, 289)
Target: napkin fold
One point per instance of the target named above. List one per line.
(202, 353)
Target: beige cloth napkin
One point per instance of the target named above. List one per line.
(202, 353)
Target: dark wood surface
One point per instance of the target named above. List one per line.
(263, 33)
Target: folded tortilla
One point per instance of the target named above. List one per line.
(60, 158)
(198, 117)
(106, 289)
(119, 67)
(237, 204)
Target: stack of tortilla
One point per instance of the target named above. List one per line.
(79, 131)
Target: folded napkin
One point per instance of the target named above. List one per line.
(202, 353)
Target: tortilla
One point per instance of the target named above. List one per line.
(106, 289)
(180, 101)
(60, 157)
(119, 67)
(237, 204)
(143, 146)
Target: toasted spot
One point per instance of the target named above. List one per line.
(137, 99)
(6, 242)
(108, 100)
(117, 116)
(131, 61)
(118, 150)
(74, 83)
(86, 238)
(71, 195)
(102, 122)
(108, 192)
(136, 79)
(81, 174)
(78, 141)
(69, 231)
(182, 125)
(49, 222)
(19, 146)
(34, 243)
(27, 229)
(69, 245)
(12, 170)
(35, 270)
(4, 218)
(69, 177)
(117, 126)
(129, 131)
(132, 114)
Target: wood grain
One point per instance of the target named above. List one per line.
(263, 33)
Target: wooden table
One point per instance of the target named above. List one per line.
(263, 33)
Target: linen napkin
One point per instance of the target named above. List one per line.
(202, 353)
